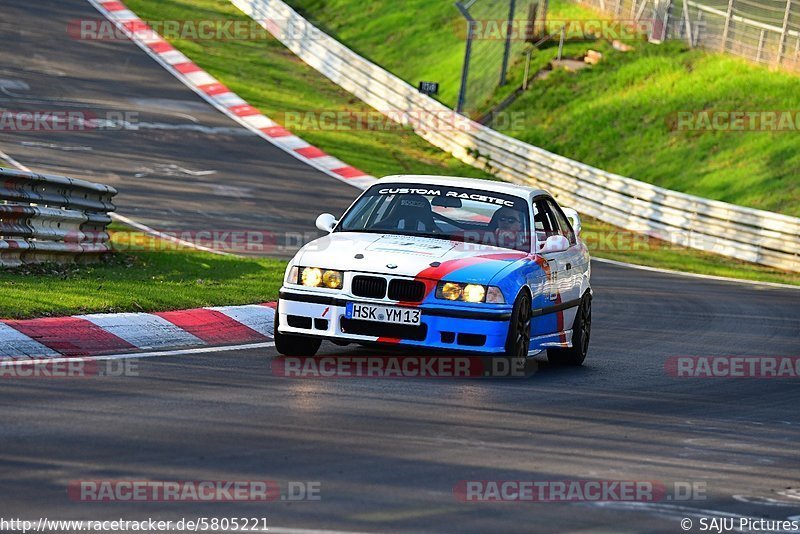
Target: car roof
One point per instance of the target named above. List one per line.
(470, 183)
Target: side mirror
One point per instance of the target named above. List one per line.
(574, 219)
(555, 243)
(326, 222)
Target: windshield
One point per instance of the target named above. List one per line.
(453, 213)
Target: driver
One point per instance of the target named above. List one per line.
(508, 228)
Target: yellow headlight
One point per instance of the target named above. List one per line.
(312, 277)
(474, 293)
(451, 291)
(332, 279)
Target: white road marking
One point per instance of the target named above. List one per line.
(766, 501)
(5, 83)
(144, 330)
(37, 144)
(171, 170)
(159, 354)
(14, 163)
(667, 510)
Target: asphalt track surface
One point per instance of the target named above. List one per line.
(387, 453)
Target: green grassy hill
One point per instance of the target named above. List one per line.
(618, 115)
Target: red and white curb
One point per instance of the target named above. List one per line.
(82, 336)
(223, 99)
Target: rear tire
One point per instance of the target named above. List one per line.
(291, 345)
(519, 329)
(581, 331)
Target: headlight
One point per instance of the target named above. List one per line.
(474, 293)
(311, 277)
(469, 293)
(332, 279)
(316, 277)
(449, 291)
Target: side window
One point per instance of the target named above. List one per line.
(543, 221)
(563, 223)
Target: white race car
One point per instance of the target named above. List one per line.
(443, 263)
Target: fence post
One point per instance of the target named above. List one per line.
(760, 46)
(462, 92)
(527, 70)
(661, 9)
(545, 9)
(698, 25)
(561, 41)
(797, 50)
(727, 26)
(785, 28)
(512, 7)
(688, 22)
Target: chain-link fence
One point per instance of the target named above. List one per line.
(496, 32)
(763, 31)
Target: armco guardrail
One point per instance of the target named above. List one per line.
(52, 218)
(748, 234)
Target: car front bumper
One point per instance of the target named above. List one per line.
(465, 328)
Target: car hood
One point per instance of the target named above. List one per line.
(404, 255)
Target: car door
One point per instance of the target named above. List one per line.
(561, 292)
(570, 274)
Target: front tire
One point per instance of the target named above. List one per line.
(581, 331)
(291, 345)
(519, 329)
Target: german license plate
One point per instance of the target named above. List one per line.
(382, 314)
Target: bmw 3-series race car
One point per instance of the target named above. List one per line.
(443, 263)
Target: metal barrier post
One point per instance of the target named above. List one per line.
(512, 7)
(784, 29)
(688, 22)
(728, 17)
(462, 92)
(527, 69)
